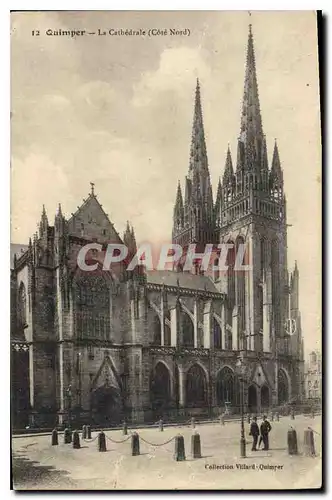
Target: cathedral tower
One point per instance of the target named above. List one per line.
(194, 218)
(251, 209)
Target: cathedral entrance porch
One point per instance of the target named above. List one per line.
(106, 406)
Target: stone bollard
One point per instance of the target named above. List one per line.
(135, 444)
(88, 432)
(292, 442)
(248, 418)
(309, 443)
(76, 440)
(101, 441)
(193, 423)
(196, 445)
(84, 432)
(55, 437)
(222, 419)
(161, 425)
(124, 428)
(179, 453)
(67, 436)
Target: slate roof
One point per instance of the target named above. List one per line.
(182, 279)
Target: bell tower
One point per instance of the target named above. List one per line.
(251, 210)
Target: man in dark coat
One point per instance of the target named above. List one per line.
(254, 432)
(265, 429)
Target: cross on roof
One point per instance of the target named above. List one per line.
(92, 188)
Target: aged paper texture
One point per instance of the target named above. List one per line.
(166, 246)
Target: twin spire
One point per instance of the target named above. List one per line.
(196, 209)
(251, 121)
(198, 161)
(252, 149)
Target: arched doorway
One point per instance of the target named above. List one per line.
(225, 387)
(252, 399)
(265, 398)
(160, 386)
(196, 387)
(107, 406)
(283, 392)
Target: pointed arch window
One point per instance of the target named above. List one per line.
(92, 307)
(22, 306)
(216, 334)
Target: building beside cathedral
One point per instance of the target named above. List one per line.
(151, 344)
(313, 377)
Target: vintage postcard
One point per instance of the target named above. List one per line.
(166, 250)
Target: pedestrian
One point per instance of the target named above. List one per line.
(254, 432)
(265, 429)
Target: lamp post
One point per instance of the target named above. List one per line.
(240, 369)
(69, 395)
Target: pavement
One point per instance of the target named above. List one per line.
(37, 465)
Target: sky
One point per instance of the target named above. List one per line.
(117, 111)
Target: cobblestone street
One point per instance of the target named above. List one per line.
(38, 465)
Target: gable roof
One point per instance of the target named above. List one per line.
(91, 213)
(17, 249)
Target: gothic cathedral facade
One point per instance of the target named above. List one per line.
(154, 344)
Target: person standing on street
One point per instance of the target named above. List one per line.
(265, 429)
(254, 432)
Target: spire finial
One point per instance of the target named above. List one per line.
(92, 188)
(251, 130)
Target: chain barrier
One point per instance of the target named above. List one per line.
(90, 440)
(28, 445)
(159, 444)
(117, 442)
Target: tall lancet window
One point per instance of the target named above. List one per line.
(91, 307)
(240, 292)
(22, 306)
(275, 263)
(230, 261)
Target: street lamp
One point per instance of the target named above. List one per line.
(69, 395)
(241, 370)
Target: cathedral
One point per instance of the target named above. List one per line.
(171, 344)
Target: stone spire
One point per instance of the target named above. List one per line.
(276, 175)
(59, 220)
(251, 133)
(43, 225)
(228, 172)
(198, 155)
(178, 215)
(197, 207)
(129, 239)
(218, 203)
